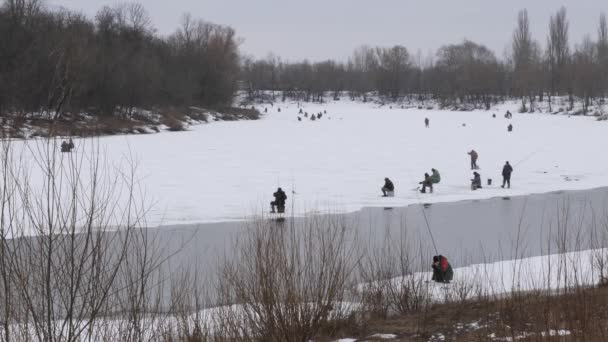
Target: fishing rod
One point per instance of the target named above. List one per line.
(428, 225)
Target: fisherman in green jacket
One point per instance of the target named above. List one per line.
(435, 177)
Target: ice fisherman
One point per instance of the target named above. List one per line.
(506, 175)
(67, 146)
(426, 122)
(442, 270)
(476, 181)
(388, 187)
(510, 128)
(435, 176)
(426, 183)
(474, 157)
(279, 201)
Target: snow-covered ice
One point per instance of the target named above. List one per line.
(229, 170)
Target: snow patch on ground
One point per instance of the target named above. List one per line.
(384, 336)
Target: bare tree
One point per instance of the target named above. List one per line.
(587, 75)
(525, 57)
(558, 54)
(70, 230)
(602, 53)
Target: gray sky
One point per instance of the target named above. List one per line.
(322, 29)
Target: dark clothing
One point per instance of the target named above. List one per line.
(427, 183)
(506, 180)
(442, 270)
(507, 170)
(474, 157)
(388, 187)
(426, 122)
(279, 201)
(476, 182)
(506, 175)
(67, 146)
(510, 128)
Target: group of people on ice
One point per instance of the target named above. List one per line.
(442, 270)
(67, 146)
(388, 189)
(507, 170)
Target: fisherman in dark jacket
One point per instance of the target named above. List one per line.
(442, 270)
(388, 187)
(279, 201)
(476, 181)
(426, 183)
(506, 175)
(474, 157)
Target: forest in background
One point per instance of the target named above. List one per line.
(466, 73)
(57, 65)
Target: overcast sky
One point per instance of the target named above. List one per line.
(322, 29)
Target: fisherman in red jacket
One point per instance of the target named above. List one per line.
(442, 270)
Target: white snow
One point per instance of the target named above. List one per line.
(229, 170)
(552, 332)
(546, 273)
(384, 336)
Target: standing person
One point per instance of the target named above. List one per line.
(426, 122)
(388, 187)
(474, 157)
(426, 183)
(70, 145)
(279, 201)
(506, 175)
(510, 128)
(442, 270)
(476, 181)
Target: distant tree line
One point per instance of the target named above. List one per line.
(463, 73)
(54, 62)
(57, 62)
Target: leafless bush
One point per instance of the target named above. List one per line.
(388, 272)
(72, 251)
(287, 281)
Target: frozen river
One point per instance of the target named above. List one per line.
(468, 232)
